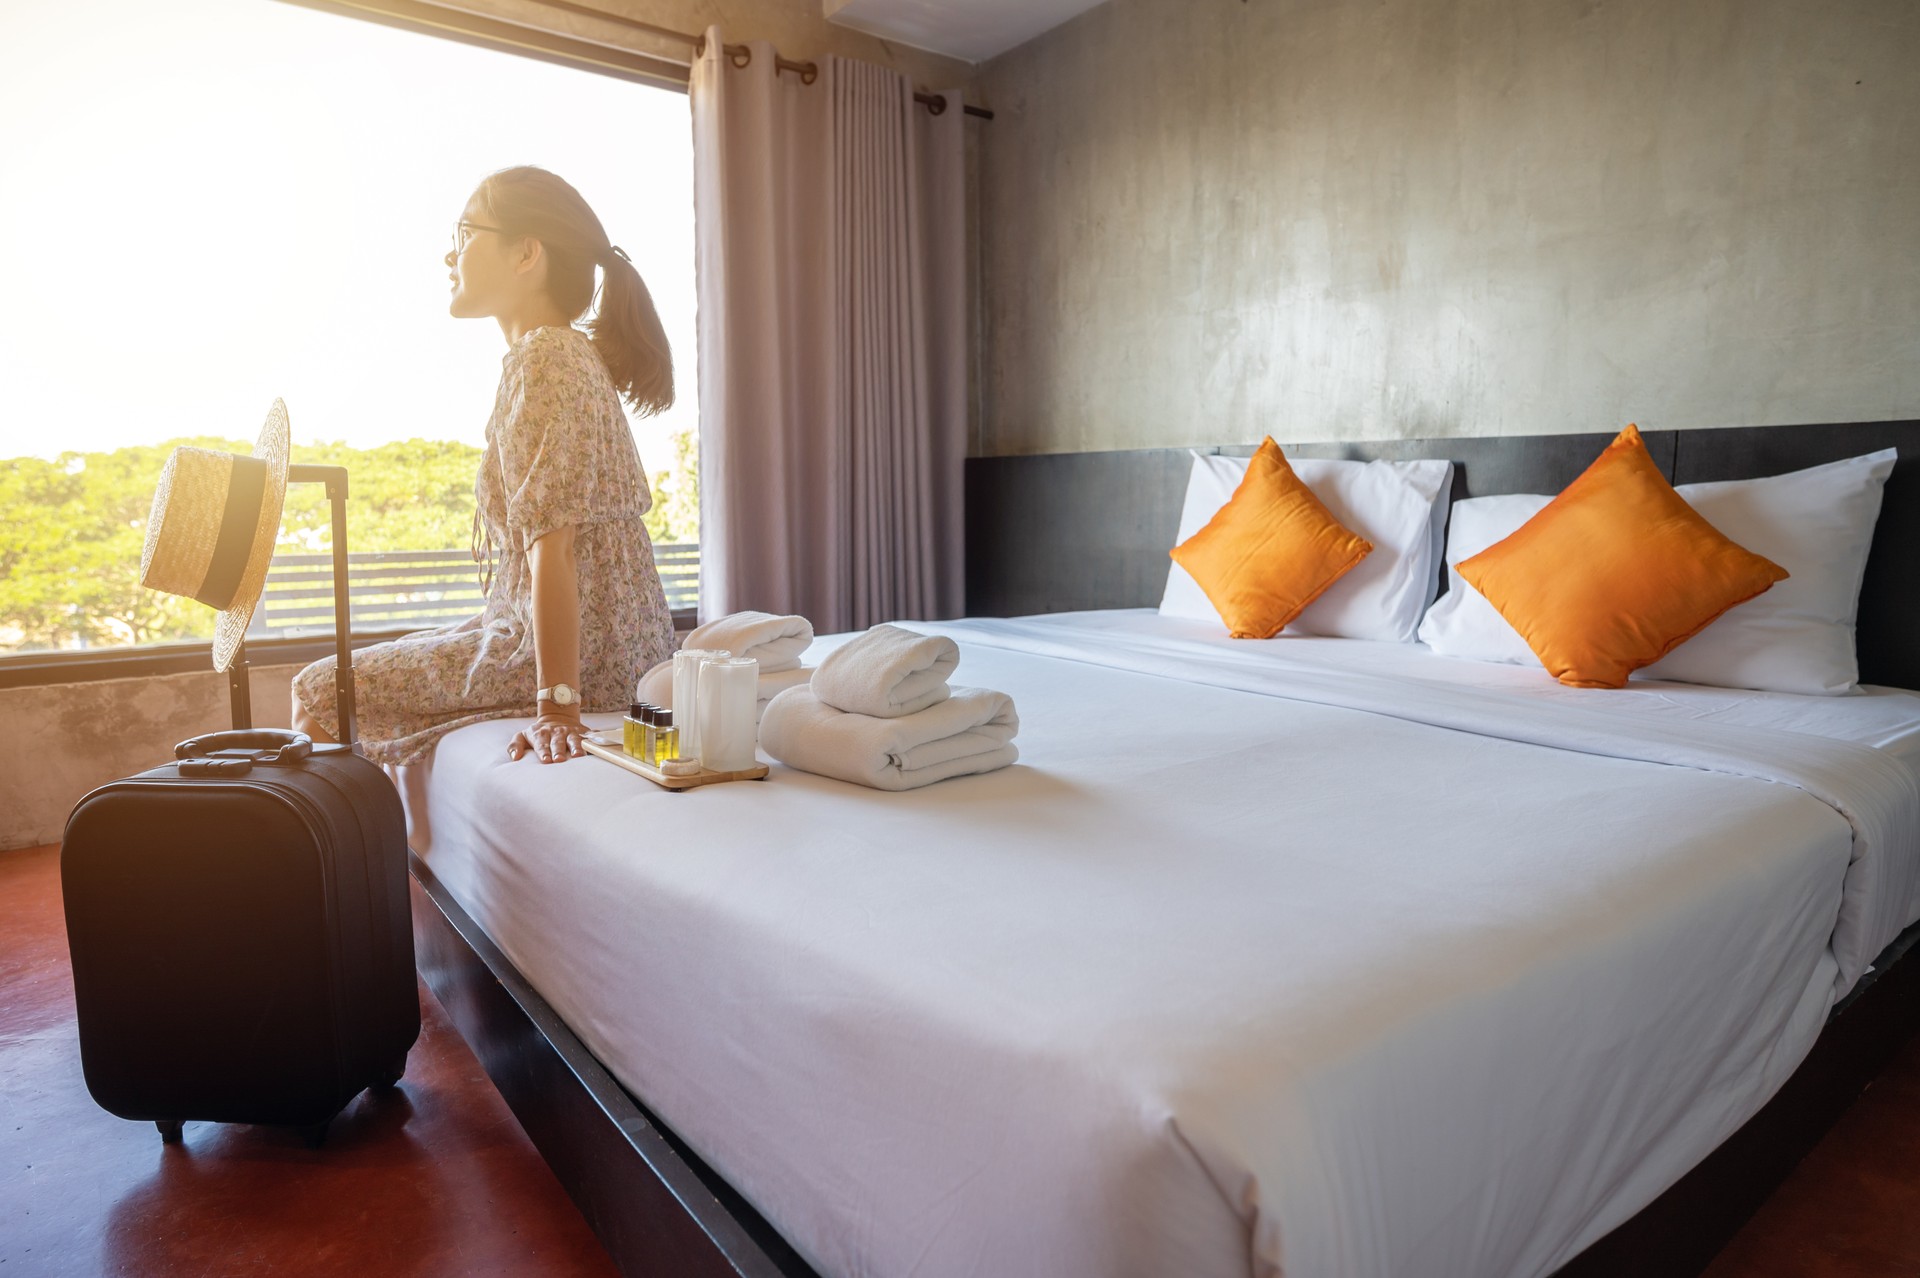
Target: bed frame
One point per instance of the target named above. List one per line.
(1091, 530)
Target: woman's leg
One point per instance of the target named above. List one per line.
(304, 722)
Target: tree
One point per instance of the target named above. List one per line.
(74, 528)
(675, 515)
(70, 550)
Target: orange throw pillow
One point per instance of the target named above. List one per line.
(1615, 572)
(1270, 550)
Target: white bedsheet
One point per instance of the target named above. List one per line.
(1223, 977)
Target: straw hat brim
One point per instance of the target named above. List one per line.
(231, 625)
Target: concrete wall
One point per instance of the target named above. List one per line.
(794, 27)
(60, 741)
(1205, 220)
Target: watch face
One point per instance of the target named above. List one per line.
(563, 694)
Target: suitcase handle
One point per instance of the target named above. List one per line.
(270, 745)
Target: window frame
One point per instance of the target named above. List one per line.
(146, 661)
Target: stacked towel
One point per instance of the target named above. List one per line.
(656, 685)
(970, 731)
(879, 713)
(772, 685)
(887, 672)
(775, 642)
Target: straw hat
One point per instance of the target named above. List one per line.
(215, 518)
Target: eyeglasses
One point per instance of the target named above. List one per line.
(463, 234)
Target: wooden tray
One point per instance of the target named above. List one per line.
(615, 755)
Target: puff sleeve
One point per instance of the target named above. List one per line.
(562, 461)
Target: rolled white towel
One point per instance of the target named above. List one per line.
(775, 642)
(656, 685)
(972, 731)
(887, 672)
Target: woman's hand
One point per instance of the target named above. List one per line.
(553, 738)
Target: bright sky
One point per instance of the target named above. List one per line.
(211, 203)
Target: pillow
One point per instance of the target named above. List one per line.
(1615, 572)
(1270, 551)
(1798, 637)
(1401, 507)
(1462, 623)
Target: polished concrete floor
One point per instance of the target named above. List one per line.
(437, 1178)
(434, 1178)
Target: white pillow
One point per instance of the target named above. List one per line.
(1463, 623)
(1401, 507)
(1797, 637)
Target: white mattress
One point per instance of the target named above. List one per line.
(1311, 954)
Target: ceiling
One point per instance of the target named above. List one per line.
(972, 30)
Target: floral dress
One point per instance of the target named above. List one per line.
(559, 452)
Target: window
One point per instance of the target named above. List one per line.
(220, 202)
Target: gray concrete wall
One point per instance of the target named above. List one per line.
(59, 741)
(1205, 220)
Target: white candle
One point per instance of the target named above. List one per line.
(729, 728)
(686, 695)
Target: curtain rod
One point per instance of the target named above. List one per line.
(738, 54)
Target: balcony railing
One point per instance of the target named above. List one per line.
(412, 589)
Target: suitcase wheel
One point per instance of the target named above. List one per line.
(314, 1133)
(389, 1078)
(169, 1130)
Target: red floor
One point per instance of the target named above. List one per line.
(435, 1178)
(438, 1178)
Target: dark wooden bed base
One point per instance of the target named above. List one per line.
(1091, 531)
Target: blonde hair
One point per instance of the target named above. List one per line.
(626, 329)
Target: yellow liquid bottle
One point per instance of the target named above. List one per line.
(666, 738)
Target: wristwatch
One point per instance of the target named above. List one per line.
(561, 694)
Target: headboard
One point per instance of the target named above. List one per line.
(1066, 531)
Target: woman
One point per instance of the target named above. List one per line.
(574, 607)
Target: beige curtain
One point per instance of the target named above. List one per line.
(831, 273)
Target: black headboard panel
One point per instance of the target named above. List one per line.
(1067, 531)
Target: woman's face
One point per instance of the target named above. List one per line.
(481, 265)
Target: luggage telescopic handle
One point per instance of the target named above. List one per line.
(270, 745)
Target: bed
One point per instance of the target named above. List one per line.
(1324, 955)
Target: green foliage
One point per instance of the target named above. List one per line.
(73, 530)
(415, 494)
(70, 550)
(675, 516)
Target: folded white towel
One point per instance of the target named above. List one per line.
(972, 731)
(656, 685)
(887, 672)
(775, 642)
(772, 685)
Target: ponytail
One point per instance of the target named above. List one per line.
(630, 338)
(625, 330)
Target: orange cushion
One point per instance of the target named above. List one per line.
(1270, 550)
(1615, 572)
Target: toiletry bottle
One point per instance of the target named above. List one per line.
(645, 734)
(666, 738)
(630, 729)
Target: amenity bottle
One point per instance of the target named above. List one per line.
(666, 738)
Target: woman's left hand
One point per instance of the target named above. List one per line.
(553, 738)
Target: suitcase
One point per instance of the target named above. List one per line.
(239, 925)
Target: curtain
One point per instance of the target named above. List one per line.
(829, 238)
